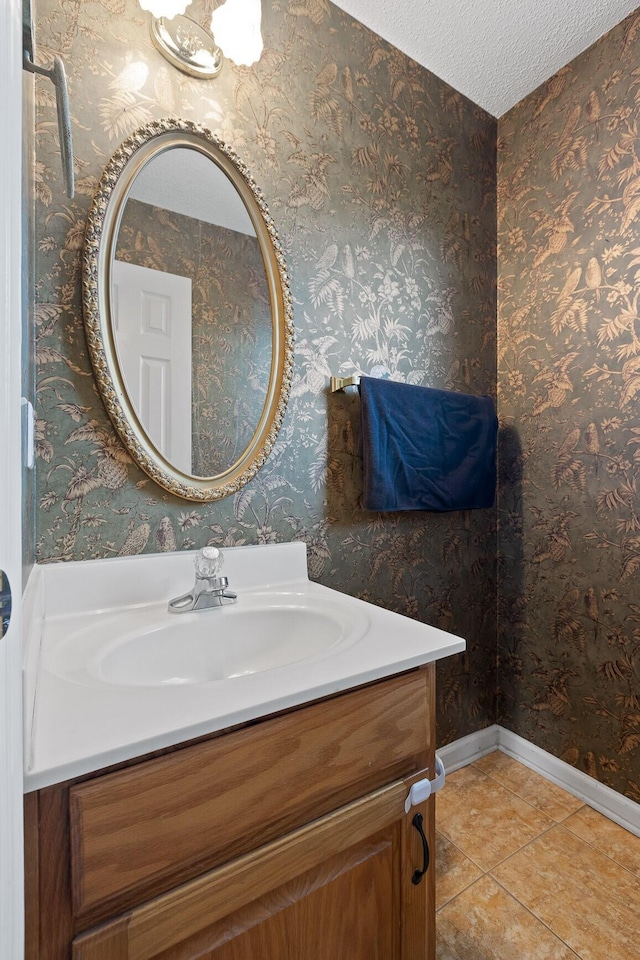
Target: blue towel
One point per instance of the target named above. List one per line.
(426, 449)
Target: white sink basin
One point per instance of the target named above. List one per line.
(217, 645)
(153, 648)
(110, 674)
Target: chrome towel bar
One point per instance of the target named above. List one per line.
(339, 383)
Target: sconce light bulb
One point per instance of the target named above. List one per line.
(236, 28)
(164, 8)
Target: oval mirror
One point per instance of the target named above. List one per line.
(188, 310)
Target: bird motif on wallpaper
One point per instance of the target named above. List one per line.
(569, 599)
(166, 218)
(571, 152)
(557, 540)
(570, 285)
(631, 29)
(592, 444)
(315, 189)
(593, 276)
(571, 310)
(317, 368)
(592, 112)
(256, 286)
(557, 227)
(553, 89)
(558, 385)
(557, 698)
(165, 536)
(592, 610)
(132, 77)
(316, 10)
(568, 468)
(115, 7)
(323, 104)
(566, 625)
(136, 539)
(555, 547)
(443, 168)
(440, 319)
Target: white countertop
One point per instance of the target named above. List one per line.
(75, 724)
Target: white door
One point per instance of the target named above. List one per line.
(152, 316)
(11, 872)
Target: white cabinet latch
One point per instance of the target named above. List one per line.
(424, 788)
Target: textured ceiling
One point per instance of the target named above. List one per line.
(493, 51)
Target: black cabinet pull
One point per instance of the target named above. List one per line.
(419, 874)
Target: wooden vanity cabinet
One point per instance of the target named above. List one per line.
(286, 839)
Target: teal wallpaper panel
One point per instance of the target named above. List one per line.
(381, 180)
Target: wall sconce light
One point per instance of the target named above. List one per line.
(195, 51)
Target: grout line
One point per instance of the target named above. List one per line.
(552, 824)
(463, 852)
(523, 847)
(445, 903)
(535, 916)
(483, 873)
(464, 890)
(516, 794)
(504, 859)
(557, 823)
(602, 852)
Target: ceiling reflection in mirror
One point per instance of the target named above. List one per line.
(188, 310)
(191, 312)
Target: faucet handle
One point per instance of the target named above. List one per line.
(208, 563)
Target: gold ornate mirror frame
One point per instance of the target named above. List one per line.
(99, 248)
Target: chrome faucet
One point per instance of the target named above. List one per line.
(210, 589)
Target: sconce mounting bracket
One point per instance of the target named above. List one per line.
(187, 45)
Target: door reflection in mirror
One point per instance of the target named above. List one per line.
(151, 315)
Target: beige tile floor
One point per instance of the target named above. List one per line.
(525, 871)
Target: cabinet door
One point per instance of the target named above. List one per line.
(340, 887)
(346, 908)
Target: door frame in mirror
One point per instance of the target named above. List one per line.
(99, 248)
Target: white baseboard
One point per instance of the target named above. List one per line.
(467, 749)
(602, 798)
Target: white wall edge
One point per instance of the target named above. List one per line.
(11, 766)
(609, 802)
(32, 629)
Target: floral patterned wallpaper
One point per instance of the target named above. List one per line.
(231, 322)
(569, 389)
(381, 180)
